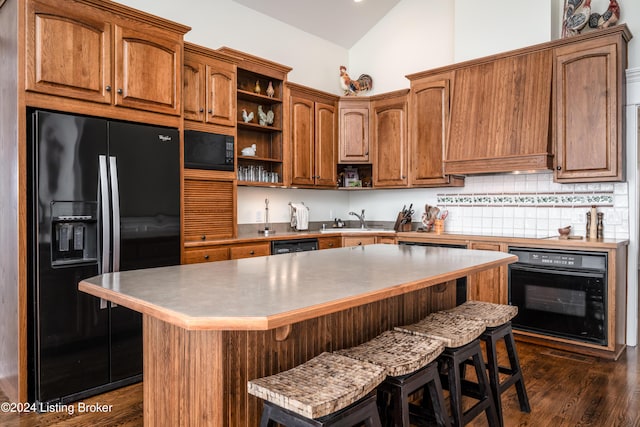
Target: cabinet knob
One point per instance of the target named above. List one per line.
(203, 237)
(120, 91)
(252, 253)
(202, 110)
(559, 167)
(108, 88)
(330, 245)
(359, 243)
(206, 257)
(210, 111)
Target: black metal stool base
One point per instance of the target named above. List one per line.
(491, 336)
(400, 388)
(452, 362)
(363, 411)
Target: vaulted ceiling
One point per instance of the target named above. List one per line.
(342, 22)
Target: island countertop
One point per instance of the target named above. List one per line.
(268, 292)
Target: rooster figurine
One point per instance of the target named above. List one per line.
(607, 19)
(264, 118)
(247, 117)
(576, 16)
(353, 87)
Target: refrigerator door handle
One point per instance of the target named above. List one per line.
(115, 203)
(106, 218)
(103, 189)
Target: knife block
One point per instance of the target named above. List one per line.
(399, 225)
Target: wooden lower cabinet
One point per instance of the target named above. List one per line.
(489, 285)
(208, 254)
(225, 252)
(329, 242)
(389, 240)
(358, 240)
(250, 250)
(209, 205)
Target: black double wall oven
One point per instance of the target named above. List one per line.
(560, 293)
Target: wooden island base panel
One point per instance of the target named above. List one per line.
(209, 328)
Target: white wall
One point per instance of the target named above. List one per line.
(487, 27)
(217, 23)
(415, 35)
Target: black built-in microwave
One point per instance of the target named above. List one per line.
(204, 150)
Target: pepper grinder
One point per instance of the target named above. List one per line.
(600, 225)
(593, 224)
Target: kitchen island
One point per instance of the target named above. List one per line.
(209, 328)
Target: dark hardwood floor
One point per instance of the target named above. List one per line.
(565, 389)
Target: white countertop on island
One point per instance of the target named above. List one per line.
(268, 292)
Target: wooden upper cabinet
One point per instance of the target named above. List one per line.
(500, 115)
(326, 145)
(389, 121)
(588, 101)
(302, 140)
(430, 104)
(68, 51)
(193, 92)
(103, 53)
(354, 131)
(313, 130)
(148, 71)
(209, 86)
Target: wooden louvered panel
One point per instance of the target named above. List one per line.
(209, 209)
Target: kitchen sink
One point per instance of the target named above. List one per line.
(357, 230)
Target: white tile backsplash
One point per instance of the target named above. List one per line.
(533, 206)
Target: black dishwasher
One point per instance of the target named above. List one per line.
(461, 283)
(293, 245)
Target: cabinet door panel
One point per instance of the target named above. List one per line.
(209, 209)
(148, 69)
(302, 139)
(488, 285)
(430, 112)
(68, 51)
(586, 108)
(354, 135)
(193, 102)
(390, 136)
(326, 145)
(221, 84)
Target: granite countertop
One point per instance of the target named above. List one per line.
(268, 292)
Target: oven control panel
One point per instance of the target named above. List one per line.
(561, 258)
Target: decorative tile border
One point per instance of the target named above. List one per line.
(603, 199)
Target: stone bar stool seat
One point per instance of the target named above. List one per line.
(409, 362)
(328, 390)
(497, 318)
(461, 338)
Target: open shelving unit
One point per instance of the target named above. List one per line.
(267, 166)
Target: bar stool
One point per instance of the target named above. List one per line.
(409, 362)
(497, 318)
(328, 390)
(461, 338)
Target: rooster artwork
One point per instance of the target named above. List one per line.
(353, 87)
(608, 18)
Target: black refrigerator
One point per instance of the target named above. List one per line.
(104, 196)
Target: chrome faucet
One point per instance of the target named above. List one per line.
(363, 224)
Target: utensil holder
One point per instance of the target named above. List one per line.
(438, 226)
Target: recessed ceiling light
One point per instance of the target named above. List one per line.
(357, 1)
